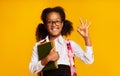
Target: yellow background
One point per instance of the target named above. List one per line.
(19, 19)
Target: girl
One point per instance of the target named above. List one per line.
(54, 27)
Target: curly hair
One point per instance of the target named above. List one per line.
(41, 31)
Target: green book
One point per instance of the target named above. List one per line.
(43, 50)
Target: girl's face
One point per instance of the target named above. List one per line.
(54, 24)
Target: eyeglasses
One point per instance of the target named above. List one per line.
(57, 22)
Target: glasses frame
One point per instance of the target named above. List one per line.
(51, 22)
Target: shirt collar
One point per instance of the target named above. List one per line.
(59, 39)
(47, 39)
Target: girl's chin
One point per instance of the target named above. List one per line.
(54, 35)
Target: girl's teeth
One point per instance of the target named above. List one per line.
(54, 29)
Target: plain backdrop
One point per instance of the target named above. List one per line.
(19, 19)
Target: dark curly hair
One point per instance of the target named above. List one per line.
(41, 31)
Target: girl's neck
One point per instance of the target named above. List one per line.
(52, 38)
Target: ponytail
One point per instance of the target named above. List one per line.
(41, 32)
(67, 28)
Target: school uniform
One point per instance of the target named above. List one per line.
(86, 56)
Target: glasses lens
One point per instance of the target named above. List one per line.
(57, 22)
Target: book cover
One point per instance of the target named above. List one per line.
(43, 50)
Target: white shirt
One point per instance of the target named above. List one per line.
(86, 56)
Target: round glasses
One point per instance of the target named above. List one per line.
(56, 22)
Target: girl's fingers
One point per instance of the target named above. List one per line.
(86, 23)
(52, 50)
(82, 23)
(89, 24)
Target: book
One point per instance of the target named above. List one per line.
(43, 50)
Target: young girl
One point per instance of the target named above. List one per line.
(53, 28)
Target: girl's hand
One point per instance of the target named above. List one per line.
(52, 56)
(83, 29)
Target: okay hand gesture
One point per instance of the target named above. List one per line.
(83, 29)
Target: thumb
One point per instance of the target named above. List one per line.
(52, 50)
